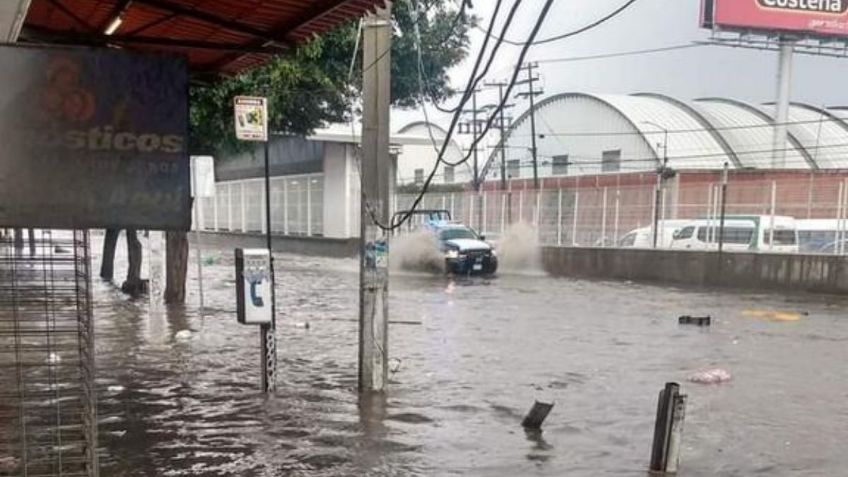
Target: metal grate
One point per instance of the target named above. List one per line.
(48, 420)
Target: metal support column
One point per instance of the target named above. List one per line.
(784, 91)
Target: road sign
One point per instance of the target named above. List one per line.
(251, 118)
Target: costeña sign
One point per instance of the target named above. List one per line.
(825, 19)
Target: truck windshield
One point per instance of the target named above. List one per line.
(457, 233)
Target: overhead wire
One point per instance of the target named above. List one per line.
(440, 159)
(580, 30)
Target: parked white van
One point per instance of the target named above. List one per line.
(644, 237)
(741, 233)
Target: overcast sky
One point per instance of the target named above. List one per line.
(748, 75)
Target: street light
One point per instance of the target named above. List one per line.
(661, 175)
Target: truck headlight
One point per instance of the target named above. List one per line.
(452, 254)
(493, 252)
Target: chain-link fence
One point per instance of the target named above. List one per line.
(759, 210)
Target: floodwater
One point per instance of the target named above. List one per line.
(178, 391)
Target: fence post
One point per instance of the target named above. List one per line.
(485, 212)
(452, 206)
(215, 209)
(559, 216)
(576, 215)
(617, 211)
(285, 206)
(264, 226)
(538, 209)
(503, 213)
(840, 201)
(230, 227)
(521, 205)
(308, 206)
(773, 206)
(604, 219)
(242, 203)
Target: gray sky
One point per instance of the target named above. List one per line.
(748, 75)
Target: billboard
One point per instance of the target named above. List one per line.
(808, 18)
(93, 138)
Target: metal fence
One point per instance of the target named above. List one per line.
(601, 216)
(297, 205)
(48, 420)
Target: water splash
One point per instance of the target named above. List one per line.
(416, 251)
(518, 249)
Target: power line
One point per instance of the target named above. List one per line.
(440, 159)
(621, 53)
(679, 131)
(584, 29)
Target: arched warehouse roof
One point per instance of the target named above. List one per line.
(580, 133)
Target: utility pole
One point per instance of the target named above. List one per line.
(502, 125)
(473, 128)
(376, 173)
(531, 93)
(661, 175)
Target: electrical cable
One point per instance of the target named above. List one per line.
(586, 28)
(621, 53)
(440, 159)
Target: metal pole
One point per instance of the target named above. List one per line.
(503, 136)
(576, 215)
(839, 202)
(657, 209)
(604, 219)
(784, 90)
(773, 206)
(723, 208)
(534, 150)
(559, 217)
(268, 332)
(375, 171)
(617, 215)
(198, 245)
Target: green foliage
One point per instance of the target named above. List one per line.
(309, 87)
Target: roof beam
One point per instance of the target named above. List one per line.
(73, 16)
(314, 12)
(212, 19)
(34, 34)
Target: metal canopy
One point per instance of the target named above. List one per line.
(217, 36)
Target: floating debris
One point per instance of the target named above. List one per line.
(771, 315)
(695, 320)
(710, 376)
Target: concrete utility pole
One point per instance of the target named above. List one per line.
(532, 93)
(502, 125)
(375, 202)
(781, 107)
(473, 128)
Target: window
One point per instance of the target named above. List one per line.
(611, 161)
(448, 174)
(735, 235)
(419, 176)
(560, 165)
(685, 233)
(457, 233)
(628, 240)
(781, 237)
(513, 169)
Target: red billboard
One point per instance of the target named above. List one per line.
(812, 18)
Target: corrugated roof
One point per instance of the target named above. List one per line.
(225, 36)
(690, 147)
(749, 132)
(823, 135)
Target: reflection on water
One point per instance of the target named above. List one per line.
(179, 391)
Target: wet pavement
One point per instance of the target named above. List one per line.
(179, 391)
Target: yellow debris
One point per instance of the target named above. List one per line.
(772, 315)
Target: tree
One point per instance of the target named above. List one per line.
(311, 86)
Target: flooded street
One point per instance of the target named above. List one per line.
(179, 391)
